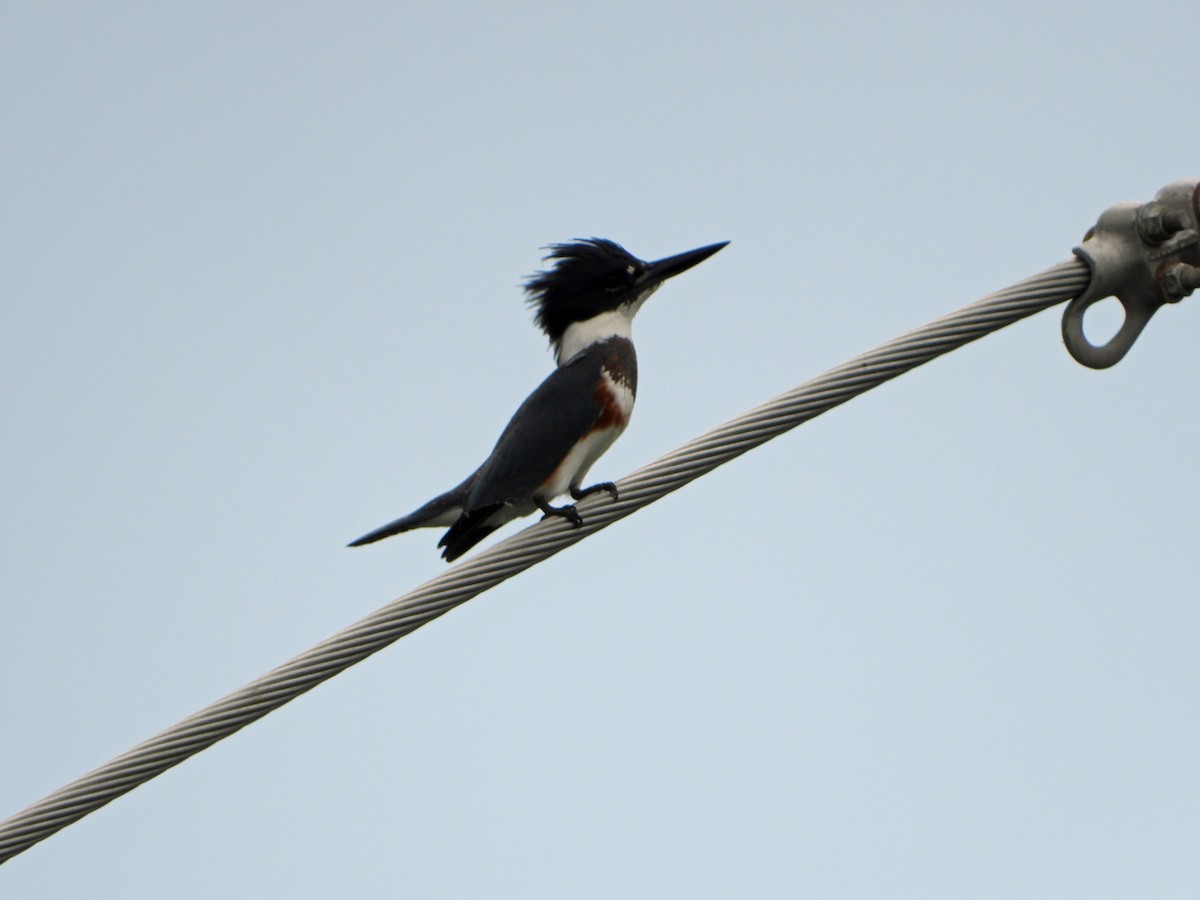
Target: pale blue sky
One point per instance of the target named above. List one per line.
(260, 270)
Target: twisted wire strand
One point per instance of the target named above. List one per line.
(530, 546)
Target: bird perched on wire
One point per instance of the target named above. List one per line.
(585, 303)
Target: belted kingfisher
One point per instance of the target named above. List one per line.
(585, 304)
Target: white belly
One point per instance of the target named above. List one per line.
(575, 467)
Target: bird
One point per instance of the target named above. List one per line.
(584, 302)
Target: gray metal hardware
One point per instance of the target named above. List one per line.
(1145, 255)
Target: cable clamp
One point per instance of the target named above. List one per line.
(1145, 255)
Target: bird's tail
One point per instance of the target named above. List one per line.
(468, 531)
(439, 512)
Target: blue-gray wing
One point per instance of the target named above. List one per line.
(540, 435)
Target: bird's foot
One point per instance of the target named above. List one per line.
(568, 512)
(580, 493)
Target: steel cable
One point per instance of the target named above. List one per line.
(530, 546)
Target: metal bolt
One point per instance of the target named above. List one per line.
(1156, 224)
(1179, 280)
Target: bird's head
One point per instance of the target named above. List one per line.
(598, 278)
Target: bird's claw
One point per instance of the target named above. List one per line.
(569, 512)
(580, 493)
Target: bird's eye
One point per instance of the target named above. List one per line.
(616, 281)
